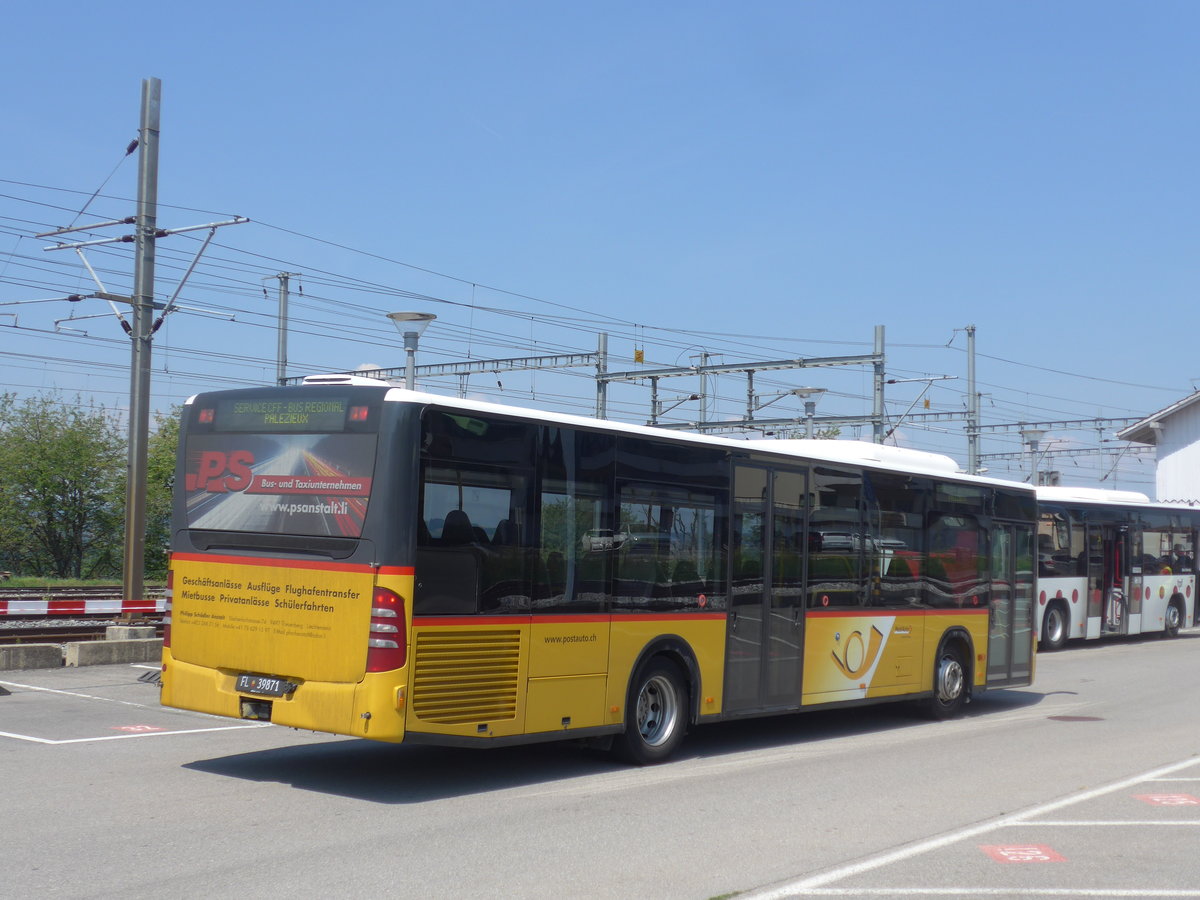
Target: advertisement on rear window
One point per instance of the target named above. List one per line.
(304, 484)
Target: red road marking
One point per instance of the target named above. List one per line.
(1168, 799)
(1020, 853)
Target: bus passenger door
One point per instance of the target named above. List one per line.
(1114, 611)
(766, 621)
(1011, 613)
(1095, 555)
(1131, 555)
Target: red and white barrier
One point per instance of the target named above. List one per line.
(80, 607)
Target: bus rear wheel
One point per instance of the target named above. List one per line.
(1054, 627)
(949, 683)
(1174, 619)
(656, 714)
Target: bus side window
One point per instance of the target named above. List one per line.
(895, 505)
(837, 547)
(571, 563)
(665, 549)
(955, 569)
(1182, 559)
(448, 568)
(462, 568)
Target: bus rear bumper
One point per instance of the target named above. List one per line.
(373, 708)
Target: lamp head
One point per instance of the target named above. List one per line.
(411, 322)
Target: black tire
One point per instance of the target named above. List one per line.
(1055, 625)
(950, 683)
(1174, 619)
(656, 714)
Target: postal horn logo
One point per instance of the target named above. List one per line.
(858, 655)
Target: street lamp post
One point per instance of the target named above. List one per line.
(1032, 436)
(411, 325)
(810, 396)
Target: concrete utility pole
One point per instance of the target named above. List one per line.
(133, 582)
(601, 371)
(141, 331)
(281, 351)
(879, 376)
(972, 406)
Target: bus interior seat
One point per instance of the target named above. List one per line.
(505, 534)
(458, 529)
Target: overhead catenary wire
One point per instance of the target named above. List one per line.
(348, 308)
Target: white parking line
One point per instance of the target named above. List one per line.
(815, 885)
(1093, 823)
(110, 737)
(993, 892)
(44, 690)
(126, 737)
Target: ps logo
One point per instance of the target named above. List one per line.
(219, 472)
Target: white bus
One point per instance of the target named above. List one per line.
(1113, 563)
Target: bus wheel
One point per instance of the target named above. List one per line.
(1174, 620)
(656, 714)
(949, 683)
(1054, 627)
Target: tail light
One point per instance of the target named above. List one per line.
(170, 592)
(387, 647)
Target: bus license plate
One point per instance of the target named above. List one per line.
(264, 685)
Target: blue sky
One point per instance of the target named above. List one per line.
(753, 180)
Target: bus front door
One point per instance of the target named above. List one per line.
(1011, 614)
(1112, 586)
(766, 620)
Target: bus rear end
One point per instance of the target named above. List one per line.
(283, 605)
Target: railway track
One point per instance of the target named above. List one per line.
(40, 631)
(63, 615)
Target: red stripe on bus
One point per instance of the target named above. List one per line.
(292, 563)
(272, 562)
(474, 620)
(864, 612)
(965, 611)
(567, 618)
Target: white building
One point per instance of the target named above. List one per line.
(1174, 432)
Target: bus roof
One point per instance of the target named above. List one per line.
(866, 453)
(846, 452)
(859, 453)
(1091, 495)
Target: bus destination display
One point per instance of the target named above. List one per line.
(324, 414)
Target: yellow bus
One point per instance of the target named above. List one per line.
(355, 558)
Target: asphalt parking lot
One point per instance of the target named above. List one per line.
(1111, 841)
(95, 704)
(98, 736)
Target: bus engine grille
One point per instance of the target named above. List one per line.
(466, 676)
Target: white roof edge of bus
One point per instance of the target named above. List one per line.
(346, 379)
(1090, 495)
(859, 452)
(867, 452)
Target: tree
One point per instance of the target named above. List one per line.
(160, 479)
(62, 470)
